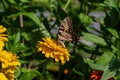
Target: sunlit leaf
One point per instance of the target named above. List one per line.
(94, 65)
(93, 38)
(111, 3)
(105, 58)
(107, 74)
(85, 18)
(113, 32)
(12, 1)
(24, 1)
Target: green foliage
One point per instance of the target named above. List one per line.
(29, 74)
(95, 21)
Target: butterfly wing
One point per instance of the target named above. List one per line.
(65, 32)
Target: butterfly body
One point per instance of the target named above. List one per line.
(66, 33)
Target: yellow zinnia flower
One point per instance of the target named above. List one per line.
(1, 45)
(8, 73)
(52, 48)
(2, 77)
(3, 36)
(9, 64)
(8, 59)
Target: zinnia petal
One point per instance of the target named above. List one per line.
(3, 36)
(51, 48)
(2, 29)
(9, 64)
(3, 77)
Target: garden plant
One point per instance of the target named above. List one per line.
(59, 39)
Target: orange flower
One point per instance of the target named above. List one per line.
(65, 71)
(96, 75)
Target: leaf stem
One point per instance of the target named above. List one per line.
(67, 4)
(4, 5)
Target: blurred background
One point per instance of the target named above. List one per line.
(97, 22)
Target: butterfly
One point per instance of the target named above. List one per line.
(66, 33)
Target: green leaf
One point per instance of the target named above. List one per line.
(93, 38)
(25, 1)
(32, 16)
(105, 58)
(115, 49)
(78, 72)
(60, 12)
(17, 38)
(43, 2)
(57, 9)
(15, 44)
(94, 65)
(18, 48)
(113, 32)
(29, 74)
(107, 74)
(12, 1)
(111, 3)
(53, 5)
(85, 18)
(18, 72)
(26, 36)
(102, 61)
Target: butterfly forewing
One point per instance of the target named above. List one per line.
(66, 33)
(66, 25)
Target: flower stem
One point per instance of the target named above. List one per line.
(43, 70)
